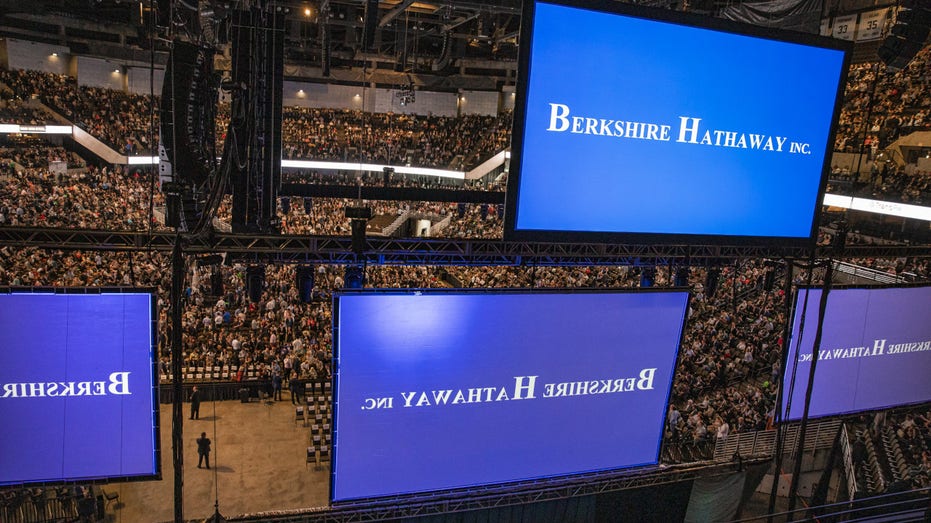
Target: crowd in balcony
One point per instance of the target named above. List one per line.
(896, 102)
(125, 121)
(120, 119)
(14, 111)
(396, 139)
(91, 198)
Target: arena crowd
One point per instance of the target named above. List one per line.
(729, 366)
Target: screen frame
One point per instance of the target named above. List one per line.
(153, 357)
(497, 291)
(783, 413)
(512, 197)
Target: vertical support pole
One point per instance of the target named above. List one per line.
(177, 412)
(777, 418)
(797, 470)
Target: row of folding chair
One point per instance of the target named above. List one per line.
(315, 416)
(210, 373)
(313, 388)
(321, 439)
(318, 455)
(319, 399)
(323, 410)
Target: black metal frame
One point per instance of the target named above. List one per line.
(390, 251)
(493, 497)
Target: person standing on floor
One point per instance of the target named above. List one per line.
(203, 449)
(195, 403)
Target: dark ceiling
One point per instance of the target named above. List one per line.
(435, 42)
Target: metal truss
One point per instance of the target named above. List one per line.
(492, 497)
(389, 251)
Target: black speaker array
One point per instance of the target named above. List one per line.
(354, 277)
(258, 66)
(369, 25)
(908, 35)
(304, 281)
(255, 282)
(187, 117)
(327, 48)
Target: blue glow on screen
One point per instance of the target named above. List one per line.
(874, 351)
(408, 349)
(615, 67)
(97, 420)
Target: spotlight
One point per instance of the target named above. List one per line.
(647, 277)
(354, 277)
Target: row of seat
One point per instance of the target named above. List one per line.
(318, 455)
(210, 373)
(872, 473)
(898, 464)
(319, 415)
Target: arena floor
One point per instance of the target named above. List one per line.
(259, 455)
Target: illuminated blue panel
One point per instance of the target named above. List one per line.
(444, 390)
(875, 350)
(632, 126)
(76, 387)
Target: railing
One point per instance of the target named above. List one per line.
(897, 506)
(401, 219)
(820, 435)
(487, 166)
(440, 225)
(867, 273)
(847, 455)
(218, 224)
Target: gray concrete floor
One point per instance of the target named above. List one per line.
(259, 456)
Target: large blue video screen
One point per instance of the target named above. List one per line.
(437, 391)
(875, 350)
(77, 397)
(632, 128)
